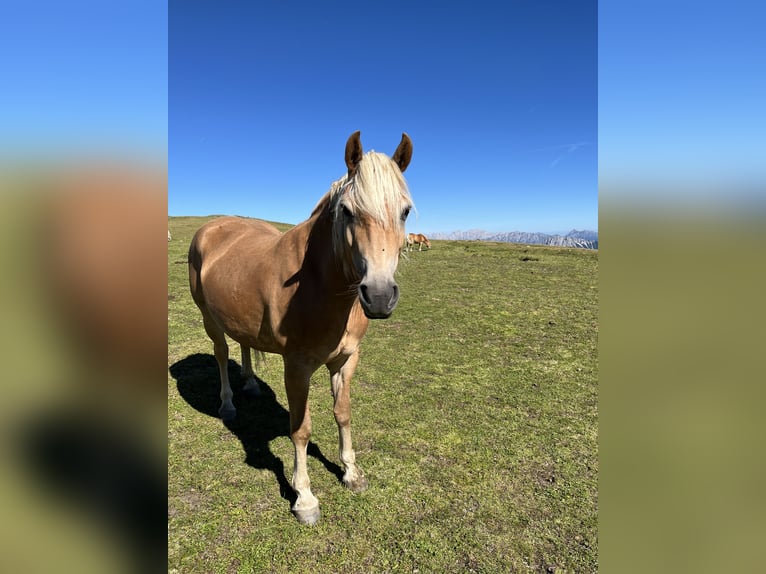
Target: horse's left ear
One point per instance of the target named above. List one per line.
(353, 152)
(403, 153)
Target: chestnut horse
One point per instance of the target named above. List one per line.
(418, 238)
(307, 294)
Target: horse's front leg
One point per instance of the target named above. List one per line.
(341, 372)
(297, 377)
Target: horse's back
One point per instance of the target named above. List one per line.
(223, 245)
(220, 233)
(231, 233)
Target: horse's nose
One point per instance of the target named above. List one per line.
(378, 300)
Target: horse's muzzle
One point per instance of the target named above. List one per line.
(378, 300)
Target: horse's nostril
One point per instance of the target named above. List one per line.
(363, 293)
(394, 297)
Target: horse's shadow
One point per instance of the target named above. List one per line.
(259, 419)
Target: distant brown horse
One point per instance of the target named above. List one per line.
(418, 238)
(307, 294)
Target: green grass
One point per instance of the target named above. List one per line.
(474, 417)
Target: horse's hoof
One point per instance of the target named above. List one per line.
(359, 484)
(309, 517)
(227, 415)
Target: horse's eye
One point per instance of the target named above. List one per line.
(346, 211)
(405, 213)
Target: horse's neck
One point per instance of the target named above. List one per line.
(319, 261)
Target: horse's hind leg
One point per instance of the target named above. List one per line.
(341, 372)
(251, 383)
(221, 351)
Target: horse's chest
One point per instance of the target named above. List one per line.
(349, 344)
(353, 333)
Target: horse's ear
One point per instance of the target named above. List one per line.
(353, 152)
(403, 153)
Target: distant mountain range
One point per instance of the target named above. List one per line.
(582, 239)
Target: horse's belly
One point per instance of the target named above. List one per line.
(254, 329)
(264, 340)
(241, 300)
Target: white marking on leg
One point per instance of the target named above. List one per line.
(340, 379)
(306, 507)
(227, 409)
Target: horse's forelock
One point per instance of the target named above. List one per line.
(377, 189)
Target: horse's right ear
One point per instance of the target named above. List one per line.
(353, 152)
(403, 153)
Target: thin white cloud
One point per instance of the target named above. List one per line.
(568, 149)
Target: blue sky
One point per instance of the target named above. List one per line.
(682, 99)
(499, 98)
(83, 77)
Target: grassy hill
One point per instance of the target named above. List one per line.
(474, 417)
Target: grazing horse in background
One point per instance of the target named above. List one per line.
(307, 294)
(418, 238)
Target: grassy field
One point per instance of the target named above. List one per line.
(474, 417)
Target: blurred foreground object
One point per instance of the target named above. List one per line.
(84, 342)
(681, 336)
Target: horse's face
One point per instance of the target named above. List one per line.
(373, 251)
(372, 213)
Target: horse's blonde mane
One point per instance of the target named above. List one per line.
(377, 189)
